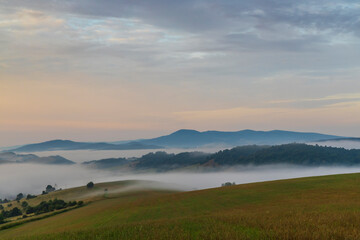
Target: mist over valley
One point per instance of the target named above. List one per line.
(32, 178)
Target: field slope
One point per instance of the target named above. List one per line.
(326, 207)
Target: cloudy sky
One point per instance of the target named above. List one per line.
(123, 69)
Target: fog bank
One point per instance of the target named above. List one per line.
(33, 178)
(80, 156)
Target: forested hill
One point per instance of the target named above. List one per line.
(298, 154)
(301, 154)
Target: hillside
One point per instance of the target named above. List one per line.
(192, 139)
(296, 154)
(308, 208)
(10, 157)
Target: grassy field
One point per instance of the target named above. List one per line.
(308, 208)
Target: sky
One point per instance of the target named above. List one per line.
(111, 70)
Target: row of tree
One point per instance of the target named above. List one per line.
(20, 196)
(43, 207)
(4, 201)
(51, 205)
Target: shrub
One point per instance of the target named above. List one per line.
(24, 204)
(19, 196)
(90, 185)
(49, 189)
(228, 184)
(29, 196)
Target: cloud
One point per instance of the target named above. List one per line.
(158, 57)
(282, 117)
(333, 100)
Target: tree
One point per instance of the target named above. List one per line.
(29, 196)
(1, 219)
(24, 204)
(19, 196)
(90, 185)
(12, 213)
(227, 184)
(49, 188)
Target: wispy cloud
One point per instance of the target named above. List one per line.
(337, 97)
(253, 60)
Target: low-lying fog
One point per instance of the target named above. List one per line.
(80, 156)
(32, 178)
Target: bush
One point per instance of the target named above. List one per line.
(24, 204)
(49, 206)
(12, 213)
(19, 197)
(29, 196)
(228, 184)
(90, 185)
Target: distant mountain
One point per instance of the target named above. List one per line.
(10, 157)
(56, 145)
(296, 154)
(185, 139)
(191, 138)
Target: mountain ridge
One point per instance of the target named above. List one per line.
(186, 138)
(58, 144)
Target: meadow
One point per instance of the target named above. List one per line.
(326, 207)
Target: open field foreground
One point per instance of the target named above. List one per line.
(325, 207)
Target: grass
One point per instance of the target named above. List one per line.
(326, 207)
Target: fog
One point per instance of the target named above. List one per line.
(80, 156)
(32, 178)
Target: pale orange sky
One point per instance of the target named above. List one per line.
(106, 72)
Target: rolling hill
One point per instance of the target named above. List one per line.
(10, 157)
(324, 207)
(295, 154)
